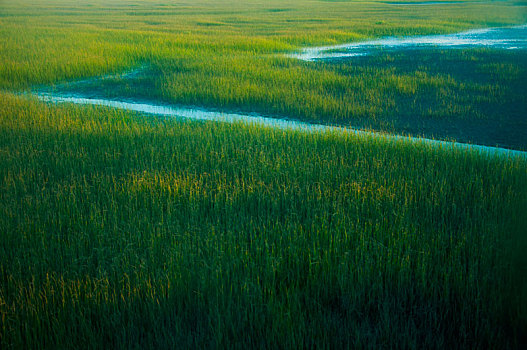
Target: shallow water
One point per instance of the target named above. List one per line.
(424, 3)
(503, 38)
(508, 38)
(208, 115)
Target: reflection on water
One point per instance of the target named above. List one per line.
(208, 115)
(509, 38)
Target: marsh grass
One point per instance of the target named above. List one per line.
(50, 41)
(126, 231)
(119, 230)
(475, 96)
(230, 57)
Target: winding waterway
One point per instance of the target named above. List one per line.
(507, 38)
(208, 115)
(502, 38)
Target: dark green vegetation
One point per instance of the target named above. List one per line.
(476, 96)
(124, 231)
(117, 229)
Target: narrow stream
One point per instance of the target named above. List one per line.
(207, 115)
(507, 38)
(502, 38)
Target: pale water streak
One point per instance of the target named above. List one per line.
(208, 115)
(430, 3)
(509, 38)
(504, 38)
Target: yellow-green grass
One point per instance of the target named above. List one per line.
(50, 41)
(119, 230)
(229, 55)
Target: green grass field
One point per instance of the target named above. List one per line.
(230, 56)
(120, 230)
